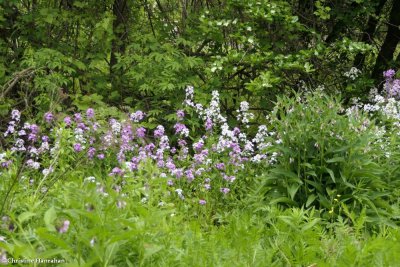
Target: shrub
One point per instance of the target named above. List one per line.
(326, 158)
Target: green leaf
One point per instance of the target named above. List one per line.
(310, 200)
(331, 174)
(49, 216)
(336, 159)
(151, 249)
(25, 216)
(59, 242)
(310, 225)
(283, 200)
(292, 190)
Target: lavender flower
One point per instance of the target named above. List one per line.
(180, 114)
(202, 202)
(15, 115)
(48, 117)
(209, 124)
(189, 175)
(116, 171)
(45, 138)
(389, 74)
(181, 129)
(90, 113)
(77, 117)
(159, 131)
(141, 132)
(182, 143)
(220, 166)
(225, 190)
(32, 164)
(67, 121)
(64, 228)
(91, 152)
(199, 145)
(77, 147)
(137, 116)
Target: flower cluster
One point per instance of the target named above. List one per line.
(392, 85)
(353, 73)
(184, 159)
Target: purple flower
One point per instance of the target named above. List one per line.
(137, 116)
(116, 171)
(91, 152)
(90, 113)
(225, 190)
(181, 129)
(220, 166)
(202, 202)
(15, 114)
(209, 124)
(10, 130)
(77, 147)
(141, 132)
(6, 164)
(170, 183)
(170, 165)
(180, 114)
(45, 138)
(34, 128)
(178, 173)
(229, 178)
(182, 142)
(199, 145)
(393, 88)
(67, 121)
(159, 131)
(64, 227)
(48, 117)
(160, 163)
(389, 74)
(207, 186)
(100, 156)
(82, 126)
(32, 137)
(189, 175)
(150, 147)
(77, 117)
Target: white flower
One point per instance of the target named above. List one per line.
(90, 179)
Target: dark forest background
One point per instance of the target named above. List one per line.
(70, 54)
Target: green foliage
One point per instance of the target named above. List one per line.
(249, 49)
(327, 159)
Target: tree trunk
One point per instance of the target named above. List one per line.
(118, 45)
(389, 45)
(369, 33)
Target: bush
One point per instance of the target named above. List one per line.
(327, 158)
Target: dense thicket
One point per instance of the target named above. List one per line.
(141, 54)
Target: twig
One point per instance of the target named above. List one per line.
(17, 77)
